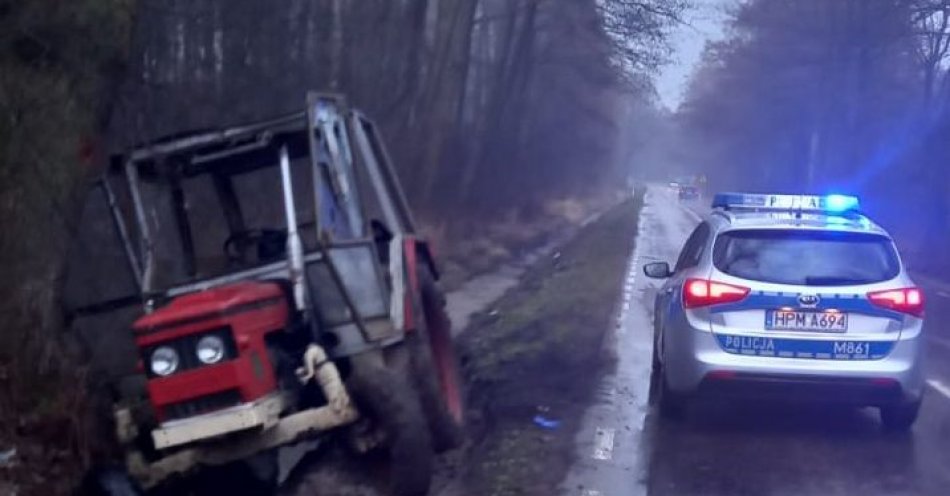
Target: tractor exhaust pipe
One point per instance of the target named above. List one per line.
(294, 246)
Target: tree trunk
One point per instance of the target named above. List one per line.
(336, 44)
(443, 92)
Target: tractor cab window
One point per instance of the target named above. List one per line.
(359, 274)
(341, 207)
(333, 218)
(353, 245)
(214, 217)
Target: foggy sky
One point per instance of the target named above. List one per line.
(704, 23)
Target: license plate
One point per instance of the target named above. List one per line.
(797, 320)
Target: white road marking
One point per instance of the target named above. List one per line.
(591, 492)
(604, 444)
(943, 294)
(939, 387)
(629, 285)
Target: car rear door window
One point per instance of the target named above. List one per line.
(814, 258)
(693, 249)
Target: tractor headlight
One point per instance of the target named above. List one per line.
(164, 361)
(210, 349)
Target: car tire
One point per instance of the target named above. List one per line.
(656, 376)
(387, 397)
(900, 417)
(435, 369)
(672, 405)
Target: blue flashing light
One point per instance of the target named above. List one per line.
(840, 203)
(836, 203)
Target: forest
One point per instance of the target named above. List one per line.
(832, 96)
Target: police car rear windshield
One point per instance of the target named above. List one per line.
(813, 258)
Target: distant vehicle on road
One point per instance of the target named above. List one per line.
(688, 192)
(793, 298)
(688, 187)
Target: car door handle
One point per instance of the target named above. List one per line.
(668, 291)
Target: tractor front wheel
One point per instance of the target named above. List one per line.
(403, 462)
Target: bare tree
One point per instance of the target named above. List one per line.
(932, 25)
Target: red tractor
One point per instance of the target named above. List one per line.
(283, 296)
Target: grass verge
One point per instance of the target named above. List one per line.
(538, 351)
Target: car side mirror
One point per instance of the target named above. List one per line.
(657, 270)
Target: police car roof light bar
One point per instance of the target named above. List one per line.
(834, 204)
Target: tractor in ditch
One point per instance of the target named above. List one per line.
(281, 294)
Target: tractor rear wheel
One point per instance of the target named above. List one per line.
(435, 368)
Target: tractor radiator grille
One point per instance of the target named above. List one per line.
(204, 404)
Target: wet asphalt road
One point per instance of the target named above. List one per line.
(749, 448)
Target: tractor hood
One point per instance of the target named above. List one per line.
(212, 303)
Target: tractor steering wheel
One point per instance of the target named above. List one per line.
(235, 247)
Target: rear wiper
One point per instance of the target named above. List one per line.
(833, 281)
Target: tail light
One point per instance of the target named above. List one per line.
(703, 293)
(904, 300)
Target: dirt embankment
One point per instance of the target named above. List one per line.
(537, 353)
(471, 247)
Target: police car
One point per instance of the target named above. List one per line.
(789, 297)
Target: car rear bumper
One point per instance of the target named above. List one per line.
(695, 363)
(785, 387)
